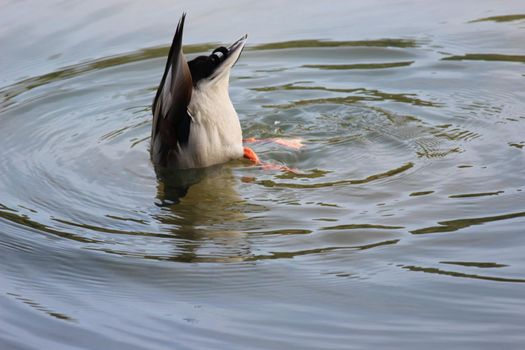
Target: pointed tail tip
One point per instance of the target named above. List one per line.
(180, 25)
(241, 41)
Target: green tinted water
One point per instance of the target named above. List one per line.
(403, 226)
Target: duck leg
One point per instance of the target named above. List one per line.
(296, 143)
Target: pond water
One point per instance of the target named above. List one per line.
(404, 225)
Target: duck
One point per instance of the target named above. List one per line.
(195, 124)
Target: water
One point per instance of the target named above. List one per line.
(403, 226)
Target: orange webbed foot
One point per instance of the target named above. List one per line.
(251, 155)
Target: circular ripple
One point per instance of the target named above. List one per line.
(78, 164)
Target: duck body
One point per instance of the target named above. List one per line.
(215, 132)
(195, 124)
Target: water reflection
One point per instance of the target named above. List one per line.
(201, 208)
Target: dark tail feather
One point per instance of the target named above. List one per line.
(175, 59)
(171, 122)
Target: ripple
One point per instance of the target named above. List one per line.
(361, 226)
(455, 225)
(319, 251)
(362, 94)
(101, 250)
(517, 145)
(92, 183)
(42, 308)
(481, 265)
(481, 194)
(90, 227)
(420, 193)
(371, 178)
(38, 227)
(486, 57)
(14, 90)
(402, 43)
(358, 66)
(436, 271)
(504, 18)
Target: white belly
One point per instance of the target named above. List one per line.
(215, 132)
(209, 146)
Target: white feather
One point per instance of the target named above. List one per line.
(215, 133)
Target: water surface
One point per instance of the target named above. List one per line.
(402, 227)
